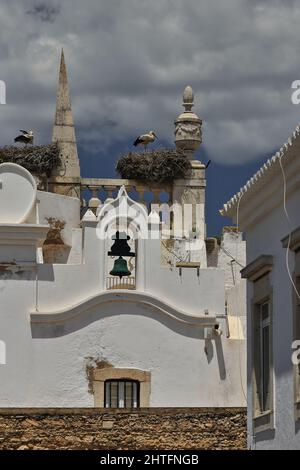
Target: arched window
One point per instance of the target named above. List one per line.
(122, 394)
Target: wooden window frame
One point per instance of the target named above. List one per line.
(259, 273)
(264, 323)
(263, 419)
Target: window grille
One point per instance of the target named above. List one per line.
(121, 394)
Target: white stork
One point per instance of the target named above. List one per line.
(145, 139)
(26, 137)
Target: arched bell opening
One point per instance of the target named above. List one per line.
(122, 257)
(123, 225)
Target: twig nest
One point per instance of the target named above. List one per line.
(156, 166)
(39, 160)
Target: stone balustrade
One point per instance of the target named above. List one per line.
(97, 191)
(124, 283)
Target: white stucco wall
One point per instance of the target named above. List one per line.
(65, 210)
(46, 363)
(57, 319)
(47, 360)
(232, 248)
(265, 238)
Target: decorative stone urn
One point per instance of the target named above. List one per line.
(188, 133)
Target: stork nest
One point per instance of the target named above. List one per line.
(40, 160)
(157, 166)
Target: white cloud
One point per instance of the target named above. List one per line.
(129, 61)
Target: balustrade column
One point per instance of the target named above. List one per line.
(94, 202)
(109, 193)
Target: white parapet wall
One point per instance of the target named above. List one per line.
(63, 320)
(62, 327)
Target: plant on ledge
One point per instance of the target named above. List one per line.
(156, 166)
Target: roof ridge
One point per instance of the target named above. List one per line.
(262, 170)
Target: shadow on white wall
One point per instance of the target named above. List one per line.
(2, 353)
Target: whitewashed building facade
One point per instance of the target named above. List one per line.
(76, 336)
(268, 211)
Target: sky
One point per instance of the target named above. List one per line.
(129, 62)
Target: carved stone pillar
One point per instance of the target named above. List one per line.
(188, 132)
(189, 193)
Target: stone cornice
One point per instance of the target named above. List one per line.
(80, 309)
(294, 239)
(258, 268)
(22, 234)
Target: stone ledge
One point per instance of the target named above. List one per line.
(258, 268)
(293, 238)
(96, 411)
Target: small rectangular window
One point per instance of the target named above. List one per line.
(121, 394)
(262, 354)
(262, 357)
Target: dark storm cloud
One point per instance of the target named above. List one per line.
(44, 12)
(129, 61)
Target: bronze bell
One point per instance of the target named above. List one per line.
(120, 246)
(120, 268)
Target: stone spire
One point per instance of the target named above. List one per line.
(188, 134)
(63, 130)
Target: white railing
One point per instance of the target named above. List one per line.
(96, 191)
(124, 283)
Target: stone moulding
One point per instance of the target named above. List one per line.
(143, 298)
(22, 234)
(257, 268)
(293, 240)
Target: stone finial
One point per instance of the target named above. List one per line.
(188, 99)
(188, 134)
